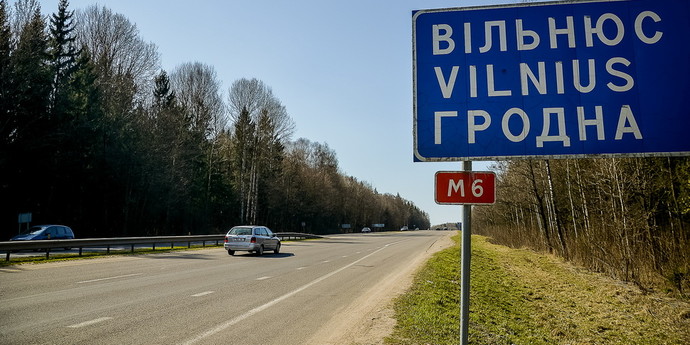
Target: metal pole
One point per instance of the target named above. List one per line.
(465, 266)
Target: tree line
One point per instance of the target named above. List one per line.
(626, 217)
(95, 135)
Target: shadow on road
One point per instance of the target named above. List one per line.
(265, 256)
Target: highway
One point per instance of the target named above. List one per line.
(202, 296)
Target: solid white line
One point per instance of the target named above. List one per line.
(263, 278)
(89, 323)
(301, 268)
(273, 302)
(203, 293)
(109, 278)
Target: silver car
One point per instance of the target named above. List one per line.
(251, 238)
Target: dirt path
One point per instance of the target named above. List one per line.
(369, 319)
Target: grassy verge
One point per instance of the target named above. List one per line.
(520, 297)
(56, 256)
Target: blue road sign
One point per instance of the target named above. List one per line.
(552, 80)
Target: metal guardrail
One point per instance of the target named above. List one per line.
(295, 236)
(46, 245)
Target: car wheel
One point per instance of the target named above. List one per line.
(231, 252)
(277, 250)
(260, 251)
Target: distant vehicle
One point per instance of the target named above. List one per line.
(45, 232)
(404, 228)
(365, 229)
(251, 238)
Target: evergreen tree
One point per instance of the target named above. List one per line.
(84, 97)
(32, 79)
(6, 88)
(163, 96)
(244, 148)
(30, 148)
(63, 55)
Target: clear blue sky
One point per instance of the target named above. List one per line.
(342, 69)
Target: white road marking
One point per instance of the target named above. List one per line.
(203, 293)
(231, 322)
(301, 268)
(89, 323)
(326, 261)
(109, 278)
(263, 278)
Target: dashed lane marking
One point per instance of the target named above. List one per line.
(109, 278)
(91, 322)
(203, 293)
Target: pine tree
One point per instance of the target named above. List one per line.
(244, 148)
(32, 79)
(85, 96)
(6, 88)
(163, 96)
(63, 56)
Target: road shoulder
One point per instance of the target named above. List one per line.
(369, 319)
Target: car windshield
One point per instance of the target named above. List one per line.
(34, 230)
(241, 231)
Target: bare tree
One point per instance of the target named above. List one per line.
(24, 11)
(117, 48)
(255, 96)
(197, 89)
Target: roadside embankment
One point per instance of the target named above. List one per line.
(522, 297)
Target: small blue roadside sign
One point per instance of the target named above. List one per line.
(552, 80)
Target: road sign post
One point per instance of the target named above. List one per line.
(465, 261)
(547, 80)
(465, 188)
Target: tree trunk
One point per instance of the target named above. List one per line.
(540, 208)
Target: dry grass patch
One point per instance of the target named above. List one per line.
(521, 297)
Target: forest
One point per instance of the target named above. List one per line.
(628, 218)
(96, 136)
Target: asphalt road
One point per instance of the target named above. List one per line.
(200, 297)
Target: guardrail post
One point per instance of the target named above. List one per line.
(7, 258)
(172, 246)
(108, 249)
(153, 247)
(80, 249)
(132, 248)
(47, 253)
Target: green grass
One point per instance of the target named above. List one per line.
(521, 297)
